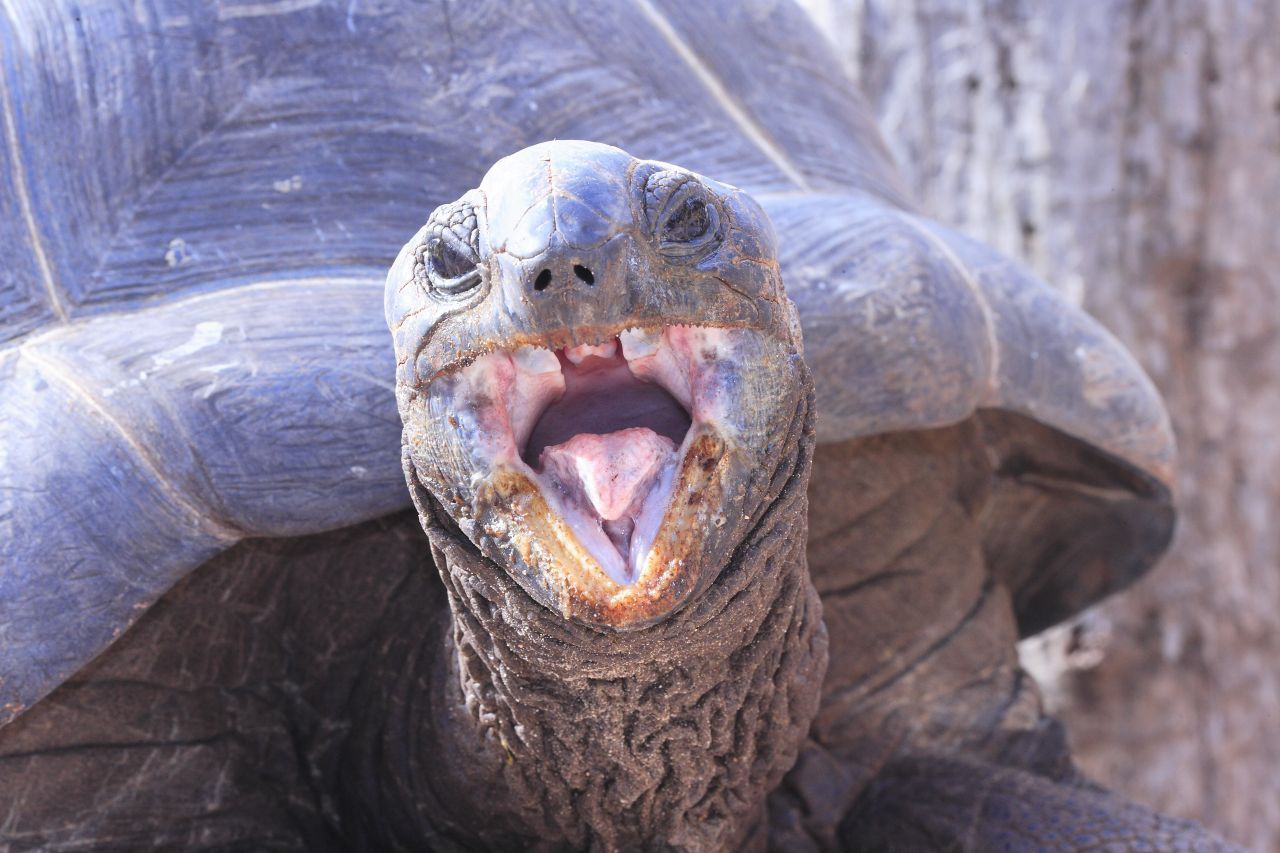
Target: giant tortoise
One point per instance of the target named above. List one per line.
(630, 624)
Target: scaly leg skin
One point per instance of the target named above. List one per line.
(930, 735)
(219, 720)
(942, 803)
(225, 718)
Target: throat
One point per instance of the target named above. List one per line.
(619, 741)
(613, 480)
(674, 733)
(606, 453)
(602, 396)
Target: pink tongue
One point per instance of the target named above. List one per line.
(612, 471)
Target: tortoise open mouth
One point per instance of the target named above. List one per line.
(596, 363)
(603, 430)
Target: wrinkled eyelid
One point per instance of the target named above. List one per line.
(671, 194)
(692, 214)
(448, 258)
(461, 218)
(666, 187)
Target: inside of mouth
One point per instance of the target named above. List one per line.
(603, 396)
(605, 450)
(600, 429)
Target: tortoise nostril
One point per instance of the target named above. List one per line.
(583, 273)
(543, 280)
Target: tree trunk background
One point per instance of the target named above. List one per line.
(1129, 151)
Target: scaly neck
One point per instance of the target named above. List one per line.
(672, 734)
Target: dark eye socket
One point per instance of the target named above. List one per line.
(683, 214)
(447, 261)
(449, 258)
(689, 222)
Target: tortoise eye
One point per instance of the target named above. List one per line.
(689, 222)
(683, 214)
(447, 261)
(449, 257)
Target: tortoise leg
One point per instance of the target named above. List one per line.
(930, 802)
(930, 736)
(119, 761)
(219, 720)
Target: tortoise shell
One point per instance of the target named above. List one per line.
(200, 201)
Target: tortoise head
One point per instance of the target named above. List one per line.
(595, 359)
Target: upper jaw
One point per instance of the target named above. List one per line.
(611, 520)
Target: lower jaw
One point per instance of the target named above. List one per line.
(463, 442)
(682, 521)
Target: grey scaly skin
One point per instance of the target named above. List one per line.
(177, 379)
(612, 715)
(340, 696)
(180, 376)
(533, 678)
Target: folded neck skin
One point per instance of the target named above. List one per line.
(618, 740)
(608, 428)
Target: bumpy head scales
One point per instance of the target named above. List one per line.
(595, 356)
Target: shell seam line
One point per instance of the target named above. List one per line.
(23, 191)
(259, 10)
(23, 343)
(966, 275)
(54, 371)
(722, 96)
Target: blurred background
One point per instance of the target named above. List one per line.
(1129, 151)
